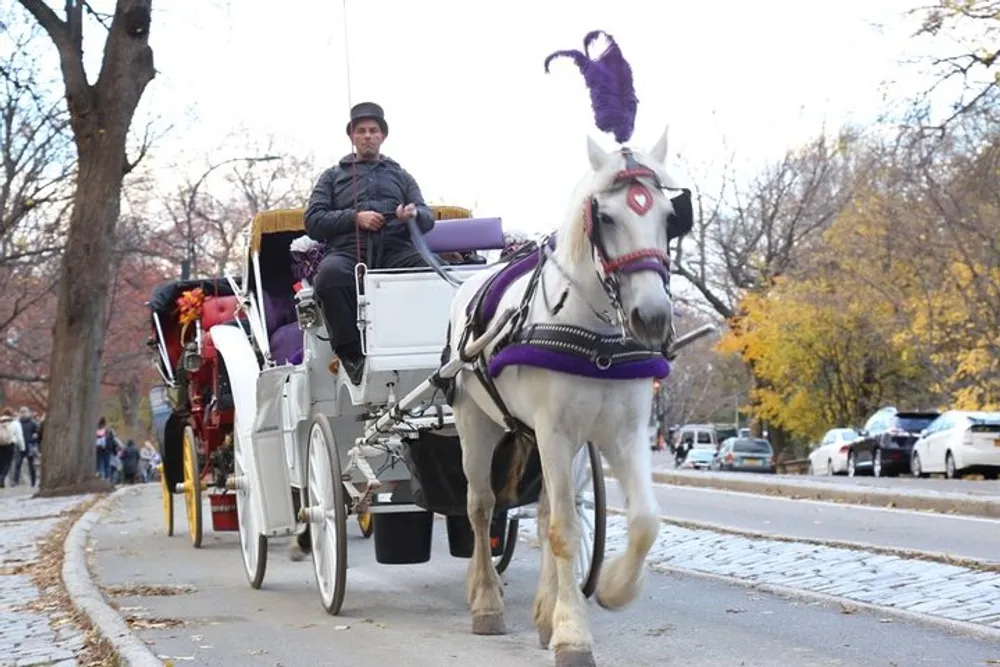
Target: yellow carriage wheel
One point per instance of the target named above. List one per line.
(366, 524)
(192, 486)
(168, 500)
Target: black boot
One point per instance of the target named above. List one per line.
(352, 361)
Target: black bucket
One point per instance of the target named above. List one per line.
(403, 538)
(460, 535)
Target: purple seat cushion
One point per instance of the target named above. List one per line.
(465, 235)
(286, 344)
(278, 311)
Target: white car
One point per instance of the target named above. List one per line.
(959, 442)
(829, 457)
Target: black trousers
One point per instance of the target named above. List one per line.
(6, 455)
(335, 290)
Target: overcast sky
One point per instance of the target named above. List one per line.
(472, 114)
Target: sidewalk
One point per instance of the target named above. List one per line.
(37, 624)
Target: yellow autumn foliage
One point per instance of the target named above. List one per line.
(819, 352)
(884, 314)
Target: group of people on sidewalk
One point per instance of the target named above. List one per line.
(20, 443)
(117, 462)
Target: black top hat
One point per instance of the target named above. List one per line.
(368, 110)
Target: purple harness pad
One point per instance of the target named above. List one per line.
(521, 354)
(498, 285)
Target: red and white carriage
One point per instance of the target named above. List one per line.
(195, 438)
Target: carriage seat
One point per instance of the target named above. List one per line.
(215, 310)
(457, 235)
(465, 235)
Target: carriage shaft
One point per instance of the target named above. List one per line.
(395, 412)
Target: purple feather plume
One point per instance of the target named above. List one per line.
(609, 78)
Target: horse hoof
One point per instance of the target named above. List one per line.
(575, 658)
(296, 553)
(489, 624)
(545, 637)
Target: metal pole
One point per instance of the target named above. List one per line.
(187, 265)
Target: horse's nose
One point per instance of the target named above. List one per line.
(650, 322)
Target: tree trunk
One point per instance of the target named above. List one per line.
(80, 321)
(100, 115)
(130, 399)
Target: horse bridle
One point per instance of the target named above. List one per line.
(639, 198)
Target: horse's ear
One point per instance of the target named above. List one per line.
(597, 157)
(659, 152)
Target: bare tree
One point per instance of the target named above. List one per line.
(972, 27)
(750, 234)
(36, 171)
(221, 213)
(100, 116)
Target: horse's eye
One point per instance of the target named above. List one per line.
(606, 219)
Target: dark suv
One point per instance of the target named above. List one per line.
(886, 442)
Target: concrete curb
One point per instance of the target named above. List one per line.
(962, 627)
(977, 630)
(86, 597)
(900, 552)
(920, 500)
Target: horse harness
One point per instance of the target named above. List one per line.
(595, 354)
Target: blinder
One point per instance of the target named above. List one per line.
(678, 223)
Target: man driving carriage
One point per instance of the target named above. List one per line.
(360, 207)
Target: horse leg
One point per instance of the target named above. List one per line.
(571, 636)
(622, 578)
(484, 589)
(545, 596)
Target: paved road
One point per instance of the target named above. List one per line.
(415, 615)
(663, 461)
(958, 536)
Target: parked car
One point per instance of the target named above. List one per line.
(698, 459)
(959, 442)
(886, 442)
(745, 455)
(829, 457)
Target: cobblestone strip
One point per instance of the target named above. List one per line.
(31, 632)
(935, 589)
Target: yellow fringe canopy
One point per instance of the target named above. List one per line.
(275, 222)
(293, 220)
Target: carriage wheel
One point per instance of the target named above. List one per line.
(168, 500)
(366, 524)
(327, 514)
(588, 474)
(192, 486)
(252, 543)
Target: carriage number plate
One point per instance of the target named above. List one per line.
(753, 462)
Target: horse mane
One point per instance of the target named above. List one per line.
(572, 245)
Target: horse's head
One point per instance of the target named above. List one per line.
(628, 221)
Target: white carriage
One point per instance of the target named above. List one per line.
(311, 448)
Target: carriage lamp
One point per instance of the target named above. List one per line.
(306, 309)
(192, 358)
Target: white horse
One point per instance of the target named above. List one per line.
(609, 274)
